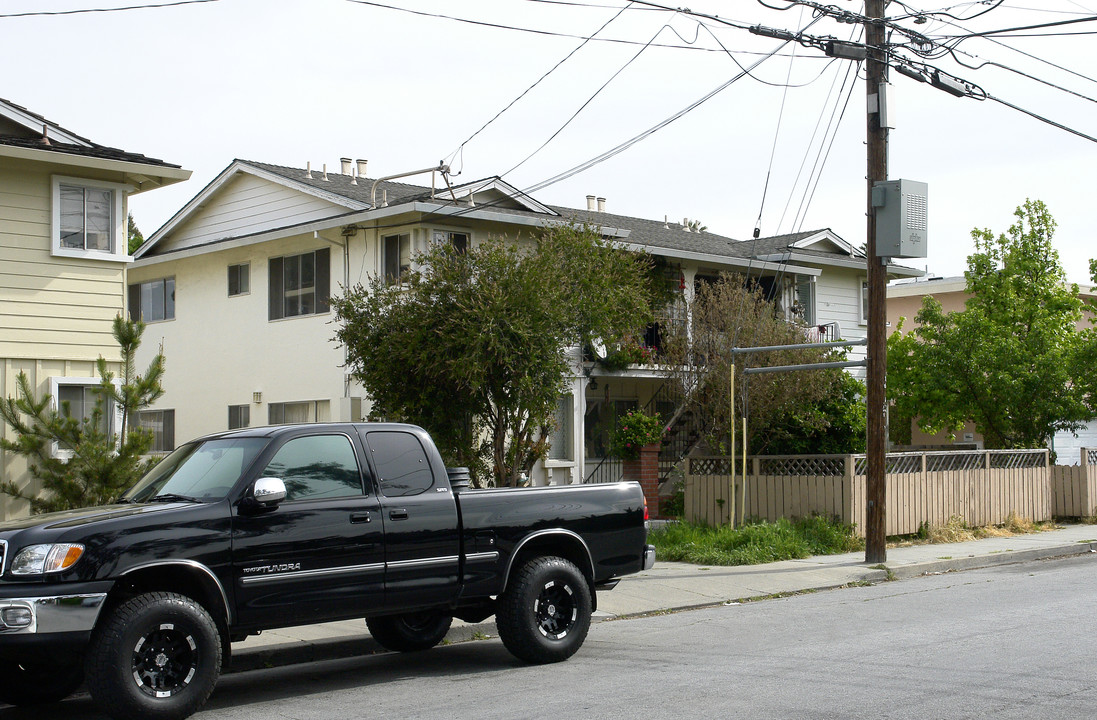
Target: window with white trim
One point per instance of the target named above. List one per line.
(805, 298)
(76, 397)
(299, 284)
(560, 440)
(161, 423)
(239, 279)
(458, 240)
(239, 416)
(152, 300)
(88, 220)
(862, 306)
(298, 412)
(396, 258)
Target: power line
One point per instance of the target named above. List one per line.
(588, 101)
(540, 79)
(41, 13)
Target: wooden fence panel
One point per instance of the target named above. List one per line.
(973, 492)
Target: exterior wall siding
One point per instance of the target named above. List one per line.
(248, 205)
(50, 307)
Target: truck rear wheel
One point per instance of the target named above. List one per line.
(155, 657)
(39, 682)
(544, 615)
(410, 632)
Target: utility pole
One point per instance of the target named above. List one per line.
(875, 490)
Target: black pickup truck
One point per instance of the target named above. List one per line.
(270, 527)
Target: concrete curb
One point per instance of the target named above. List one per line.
(974, 562)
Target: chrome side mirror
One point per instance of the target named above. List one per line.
(269, 491)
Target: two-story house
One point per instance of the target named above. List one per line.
(63, 258)
(236, 287)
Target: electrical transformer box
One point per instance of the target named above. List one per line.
(901, 209)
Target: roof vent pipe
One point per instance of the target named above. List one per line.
(685, 224)
(345, 164)
(325, 172)
(601, 204)
(308, 170)
(361, 167)
(354, 177)
(590, 203)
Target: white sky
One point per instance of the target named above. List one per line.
(289, 82)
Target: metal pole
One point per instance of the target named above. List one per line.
(877, 137)
(732, 433)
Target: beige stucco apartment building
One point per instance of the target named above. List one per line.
(249, 263)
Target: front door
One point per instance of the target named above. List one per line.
(320, 554)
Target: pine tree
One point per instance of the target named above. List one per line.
(102, 463)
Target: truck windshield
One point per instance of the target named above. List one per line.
(201, 471)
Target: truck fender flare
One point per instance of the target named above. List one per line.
(194, 566)
(587, 567)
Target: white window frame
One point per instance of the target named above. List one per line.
(862, 300)
(111, 411)
(564, 433)
(245, 275)
(119, 251)
(401, 267)
(136, 419)
(141, 310)
(316, 411)
(445, 237)
(246, 410)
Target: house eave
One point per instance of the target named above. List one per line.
(142, 176)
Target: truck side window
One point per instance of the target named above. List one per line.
(317, 466)
(402, 465)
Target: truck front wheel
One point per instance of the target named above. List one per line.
(410, 632)
(544, 615)
(155, 657)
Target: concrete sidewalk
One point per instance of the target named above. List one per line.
(680, 586)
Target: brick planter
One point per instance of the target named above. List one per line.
(645, 470)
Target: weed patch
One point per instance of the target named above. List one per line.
(955, 530)
(754, 543)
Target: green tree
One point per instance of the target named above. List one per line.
(473, 346)
(102, 463)
(1012, 361)
(134, 236)
(820, 407)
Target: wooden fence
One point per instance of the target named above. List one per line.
(978, 487)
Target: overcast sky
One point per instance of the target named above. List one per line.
(290, 82)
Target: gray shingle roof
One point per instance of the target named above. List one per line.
(36, 140)
(656, 234)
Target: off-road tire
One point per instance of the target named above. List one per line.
(410, 632)
(154, 657)
(39, 682)
(544, 615)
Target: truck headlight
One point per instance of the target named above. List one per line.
(38, 559)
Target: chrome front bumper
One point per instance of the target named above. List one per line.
(649, 557)
(51, 614)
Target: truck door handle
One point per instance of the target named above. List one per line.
(362, 517)
(401, 514)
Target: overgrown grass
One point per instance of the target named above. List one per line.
(754, 543)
